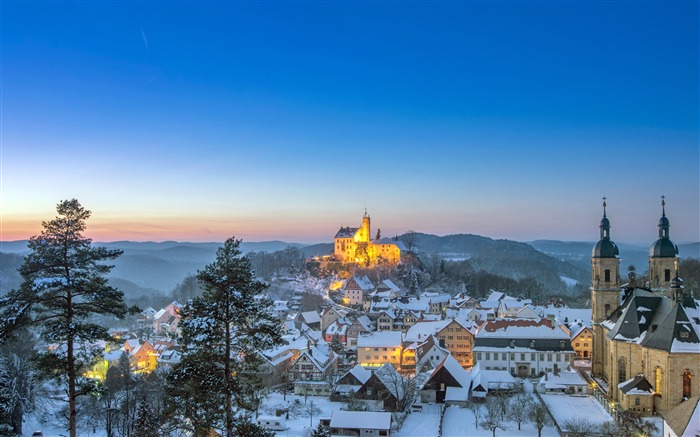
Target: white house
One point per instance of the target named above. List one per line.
(523, 347)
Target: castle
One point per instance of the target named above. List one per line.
(646, 345)
(355, 245)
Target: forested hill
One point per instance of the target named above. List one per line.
(579, 253)
(501, 257)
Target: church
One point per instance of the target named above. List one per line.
(646, 337)
(355, 245)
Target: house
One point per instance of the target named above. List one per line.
(523, 347)
(582, 341)
(355, 288)
(388, 287)
(447, 374)
(387, 387)
(389, 320)
(488, 381)
(352, 381)
(280, 308)
(438, 301)
(310, 372)
(430, 353)
(143, 358)
(360, 423)
(458, 338)
(167, 319)
(168, 358)
(338, 329)
(359, 326)
(567, 381)
(310, 318)
(376, 349)
(330, 314)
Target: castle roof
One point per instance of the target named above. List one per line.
(346, 232)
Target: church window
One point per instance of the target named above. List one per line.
(607, 309)
(621, 371)
(687, 383)
(607, 275)
(636, 401)
(659, 380)
(667, 275)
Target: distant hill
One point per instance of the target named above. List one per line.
(502, 257)
(149, 267)
(579, 253)
(317, 250)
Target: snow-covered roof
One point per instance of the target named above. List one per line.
(311, 317)
(346, 232)
(449, 363)
(456, 394)
(380, 339)
(522, 328)
(491, 379)
(638, 385)
(422, 330)
(362, 282)
(337, 328)
(361, 420)
(566, 378)
(360, 373)
(388, 283)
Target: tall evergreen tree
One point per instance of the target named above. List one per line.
(63, 287)
(222, 332)
(145, 424)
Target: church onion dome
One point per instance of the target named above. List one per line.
(663, 247)
(605, 248)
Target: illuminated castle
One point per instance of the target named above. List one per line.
(355, 245)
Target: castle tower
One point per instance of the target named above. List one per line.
(605, 287)
(663, 256)
(365, 231)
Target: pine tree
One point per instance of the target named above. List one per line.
(145, 424)
(222, 331)
(321, 431)
(63, 287)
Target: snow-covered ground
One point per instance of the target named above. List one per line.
(303, 414)
(564, 407)
(570, 282)
(421, 424)
(460, 422)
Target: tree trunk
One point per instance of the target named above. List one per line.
(71, 390)
(17, 419)
(227, 376)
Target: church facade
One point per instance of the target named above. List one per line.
(355, 245)
(646, 337)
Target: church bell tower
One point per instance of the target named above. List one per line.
(605, 287)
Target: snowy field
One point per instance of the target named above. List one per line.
(460, 422)
(303, 415)
(420, 424)
(565, 407)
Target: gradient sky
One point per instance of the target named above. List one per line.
(196, 121)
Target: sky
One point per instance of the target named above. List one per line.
(198, 121)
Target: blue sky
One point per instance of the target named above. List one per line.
(198, 121)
